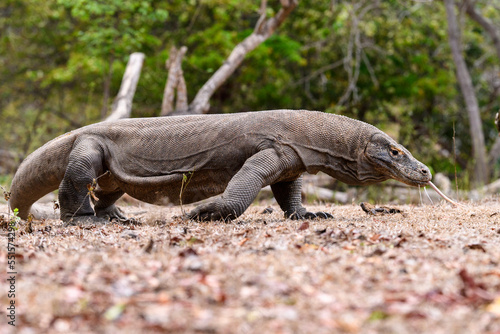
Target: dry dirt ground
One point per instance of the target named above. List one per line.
(429, 269)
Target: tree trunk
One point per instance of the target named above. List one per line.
(485, 24)
(122, 106)
(465, 83)
(263, 29)
(175, 82)
(494, 33)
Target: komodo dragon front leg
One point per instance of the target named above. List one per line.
(289, 197)
(261, 169)
(84, 167)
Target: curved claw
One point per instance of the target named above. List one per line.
(324, 215)
(294, 216)
(112, 212)
(310, 215)
(204, 212)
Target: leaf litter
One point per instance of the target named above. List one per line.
(433, 269)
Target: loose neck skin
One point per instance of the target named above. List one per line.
(335, 145)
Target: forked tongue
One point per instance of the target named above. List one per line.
(449, 200)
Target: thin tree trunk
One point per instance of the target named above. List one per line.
(122, 106)
(175, 82)
(465, 82)
(485, 24)
(263, 29)
(181, 103)
(494, 33)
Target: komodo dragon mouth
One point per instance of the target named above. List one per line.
(397, 162)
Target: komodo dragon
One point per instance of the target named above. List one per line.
(233, 154)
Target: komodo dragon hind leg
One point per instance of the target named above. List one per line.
(84, 165)
(289, 197)
(106, 194)
(105, 206)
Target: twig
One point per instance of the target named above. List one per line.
(455, 159)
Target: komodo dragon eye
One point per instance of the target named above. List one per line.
(395, 153)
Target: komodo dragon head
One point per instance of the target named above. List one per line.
(394, 161)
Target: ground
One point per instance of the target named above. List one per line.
(428, 269)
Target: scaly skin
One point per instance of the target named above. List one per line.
(233, 154)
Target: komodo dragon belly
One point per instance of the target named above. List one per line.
(189, 187)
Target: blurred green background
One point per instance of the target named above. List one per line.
(384, 62)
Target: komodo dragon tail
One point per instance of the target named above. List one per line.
(40, 173)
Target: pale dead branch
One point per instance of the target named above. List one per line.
(122, 106)
(175, 82)
(263, 30)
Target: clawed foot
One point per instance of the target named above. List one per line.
(111, 213)
(103, 216)
(311, 215)
(209, 212)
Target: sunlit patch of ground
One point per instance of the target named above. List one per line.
(431, 269)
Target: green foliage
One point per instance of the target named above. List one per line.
(14, 219)
(57, 55)
(185, 182)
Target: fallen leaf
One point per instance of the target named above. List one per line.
(303, 226)
(268, 210)
(194, 240)
(415, 314)
(187, 252)
(475, 247)
(114, 311)
(320, 231)
(128, 234)
(149, 247)
(243, 241)
(378, 315)
(372, 210)
(175, 240)
(400, 242)
(29, 228)
(375, 237)
(474, 291)
(377, 252)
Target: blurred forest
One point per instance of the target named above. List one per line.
(388, 63)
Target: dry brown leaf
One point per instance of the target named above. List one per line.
(303, 226)
(478, 247)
